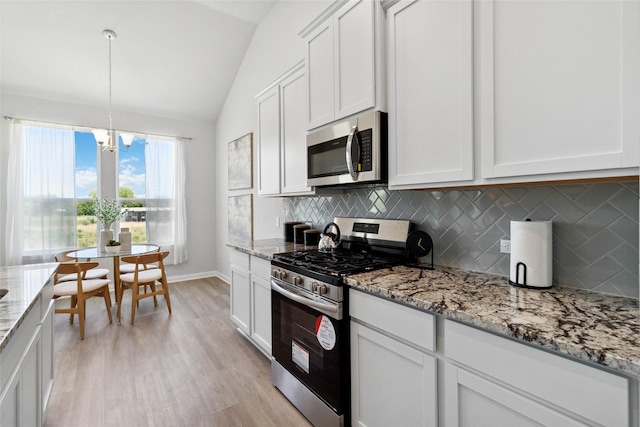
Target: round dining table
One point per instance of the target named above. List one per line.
(95, 253)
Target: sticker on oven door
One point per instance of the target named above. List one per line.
(300, 356)
(325, 332)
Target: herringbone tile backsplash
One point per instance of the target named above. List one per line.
(595, 226)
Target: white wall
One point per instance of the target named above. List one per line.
(200, 156)
(274, 49)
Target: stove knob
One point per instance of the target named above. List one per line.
(298, 281)
(322, 289)
(314, 286)
(283, 274)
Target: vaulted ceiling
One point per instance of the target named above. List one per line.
(170, 58)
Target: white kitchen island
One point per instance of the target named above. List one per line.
(26, 344)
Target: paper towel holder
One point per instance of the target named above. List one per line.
(524, 276)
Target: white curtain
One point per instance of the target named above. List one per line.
(41, 207)
(165, 200)
(179, 196)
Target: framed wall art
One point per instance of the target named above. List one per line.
(240, 218)
(240, 164)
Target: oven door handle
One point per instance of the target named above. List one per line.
(304, 301)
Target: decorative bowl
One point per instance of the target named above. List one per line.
(112, 249)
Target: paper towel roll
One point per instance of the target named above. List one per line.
(531, 246)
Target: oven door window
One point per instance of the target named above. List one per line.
(317, 359)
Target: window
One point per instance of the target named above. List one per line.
(55, 181)
(146, 178)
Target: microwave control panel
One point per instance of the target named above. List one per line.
(366, 160)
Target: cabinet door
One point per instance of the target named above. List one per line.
(541, 376)
(10, 401)
(20, 400)
(559, 86)
(293, 96)
(261, 309)
(320, 75)
(354, 56)
(269, 143)
(240, 298)
(430, 92)
(391, 383)
(47, 355)
(475, 401)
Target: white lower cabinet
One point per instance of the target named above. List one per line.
(491, 380)
(261, 304)
(240, 298)
(392, 383)
(20, 400)
(403, 373)
(26, 367)
(393, 380)
(250, 303)
(46, 331)
(473, 401)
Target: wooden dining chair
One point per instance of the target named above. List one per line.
(80, 290)
(126, 267)
(94, 273)
(142, 276)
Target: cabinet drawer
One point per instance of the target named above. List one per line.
(600, 396)
(261, 267)
(240, 259)
(412, 325)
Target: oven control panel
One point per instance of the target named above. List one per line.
(313, 286)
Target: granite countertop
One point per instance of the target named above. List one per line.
(589, 326)
(24, 283)
(267, 248)
(594, 327)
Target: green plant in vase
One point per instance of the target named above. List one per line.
(108, 211)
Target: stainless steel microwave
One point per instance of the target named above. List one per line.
(349, 152)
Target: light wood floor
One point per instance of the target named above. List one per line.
(188, 369)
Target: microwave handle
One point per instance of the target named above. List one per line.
(352, 135)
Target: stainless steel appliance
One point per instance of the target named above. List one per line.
(351, 151)
(310, 323)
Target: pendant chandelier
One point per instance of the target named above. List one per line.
(106, 139)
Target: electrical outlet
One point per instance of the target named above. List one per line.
(277, 221)
(505, 246)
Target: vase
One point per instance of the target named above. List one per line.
(106, 234)
(125, 239)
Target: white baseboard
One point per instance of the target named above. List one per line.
(195, 276)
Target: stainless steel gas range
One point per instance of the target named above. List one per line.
(310, 322)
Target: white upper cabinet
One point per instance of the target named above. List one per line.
(559, 86)
(344, 61)
(282, 136)
(320, 75)
(430, 69)
(293, 98)
(269, 142)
